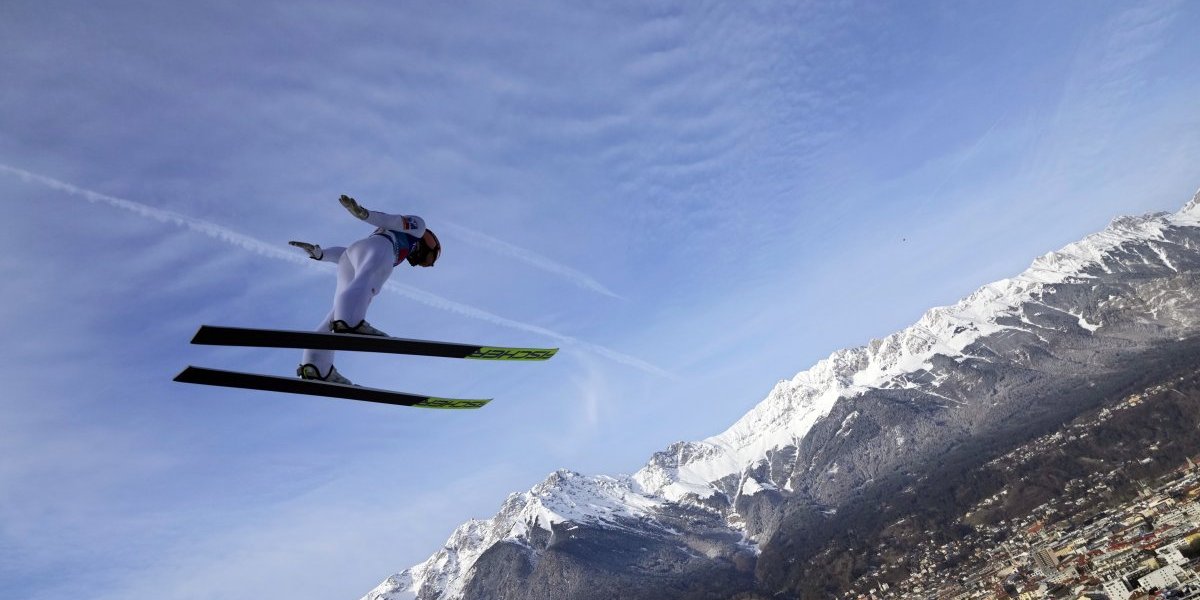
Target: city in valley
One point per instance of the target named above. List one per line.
(1110, 534)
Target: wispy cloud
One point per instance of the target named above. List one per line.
(529, 257)
(1103, 87)
(476, 313)
(260, 247)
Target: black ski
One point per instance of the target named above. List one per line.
(277, 338)
(294, 385)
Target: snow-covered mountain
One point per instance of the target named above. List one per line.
(1015, 351)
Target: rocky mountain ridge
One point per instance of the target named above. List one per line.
(732, 513)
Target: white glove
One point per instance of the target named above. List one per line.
(314, 251)
(353, 207)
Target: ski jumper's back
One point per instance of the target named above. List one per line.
(404, 231)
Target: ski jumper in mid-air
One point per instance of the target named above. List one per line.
(363, 268)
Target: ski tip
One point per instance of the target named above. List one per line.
(498, 353)
(452, 403)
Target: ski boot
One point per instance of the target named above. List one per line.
(363, 328)
(309, 371)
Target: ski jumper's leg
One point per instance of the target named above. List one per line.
(322, 359)
(364, 268)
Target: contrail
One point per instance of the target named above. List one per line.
(260, 247)
(527, 256)
(470, 311)
(226, 235)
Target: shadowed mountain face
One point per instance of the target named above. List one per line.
(786, 499)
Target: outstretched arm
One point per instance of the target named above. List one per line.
(410, 224)
(316, 252)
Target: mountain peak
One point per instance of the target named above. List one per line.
(1193, 207)
(794, 406)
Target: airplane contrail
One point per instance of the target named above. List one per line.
(262, 248)
(529, 257)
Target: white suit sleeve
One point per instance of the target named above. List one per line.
(410, 224)
(333, 254)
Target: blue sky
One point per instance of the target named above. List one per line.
(693, 199)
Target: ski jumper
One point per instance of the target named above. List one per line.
(363, 268)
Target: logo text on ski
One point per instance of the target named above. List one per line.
(512, 354)
(450, 403)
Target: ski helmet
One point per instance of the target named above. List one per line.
(427, 252)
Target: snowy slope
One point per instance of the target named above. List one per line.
(688, 472)
(564, 497)
(792, 407)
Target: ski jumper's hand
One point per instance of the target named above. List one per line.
(410, 224)
(314, 250)
(352, 206)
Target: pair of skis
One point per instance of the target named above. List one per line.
(274, 338)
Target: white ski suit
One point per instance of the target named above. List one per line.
(363, 268)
